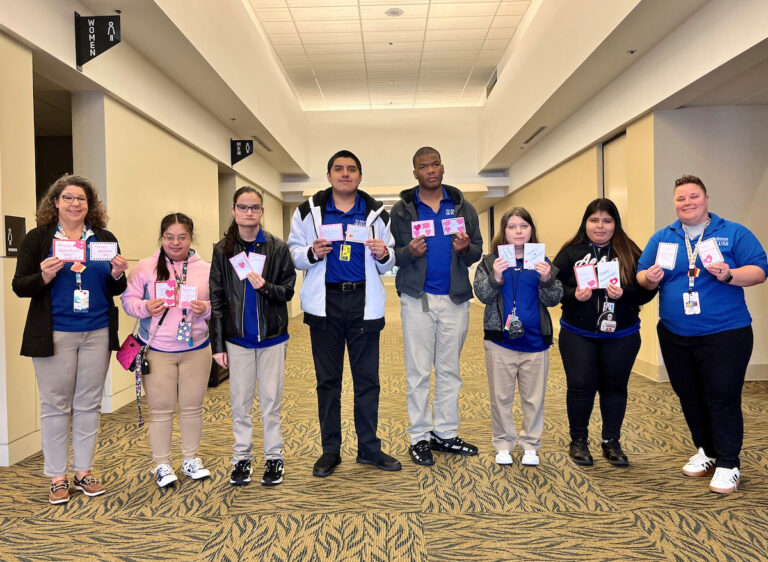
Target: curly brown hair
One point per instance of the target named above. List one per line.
(47, 213)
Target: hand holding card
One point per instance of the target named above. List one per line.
(358, 233)
(586, 278)
(241, 264)
(332, 232)
(532, 254)
(166, 290)
(666, 255)
(69, 250)
(422, 228)
(608, 274)
(453, 226)
(187, 294)
(507, 252)
(709, 252)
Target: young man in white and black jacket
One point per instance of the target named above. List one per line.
(343, 299)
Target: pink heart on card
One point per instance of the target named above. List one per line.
(170, 292)
(416, 227)
(708, 259)
(591, 283)
(79, 244)
(461, 228)
(241, 265)
(613, 281)
(427, 230)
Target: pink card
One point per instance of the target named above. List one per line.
(241, 264)
(426, 228)
(453, 226)
(586, 277)
(69, 250)
(257, 262)
(166, 290)
(187, 294)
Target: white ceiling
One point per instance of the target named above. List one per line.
(348, 54)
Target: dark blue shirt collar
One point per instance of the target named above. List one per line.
(357, 209)
(445, 196)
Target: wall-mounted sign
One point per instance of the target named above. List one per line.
(15, 230)
(240, 149)
(94, 35)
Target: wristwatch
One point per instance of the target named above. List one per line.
(729, 278)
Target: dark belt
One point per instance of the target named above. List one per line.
(346, 286)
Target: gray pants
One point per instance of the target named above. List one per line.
(247, 367)
(433, 338)
(71, 383)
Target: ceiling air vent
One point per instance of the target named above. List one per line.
(535, 134)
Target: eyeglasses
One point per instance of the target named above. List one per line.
(181, 238)
(69, 199)
(253, 208)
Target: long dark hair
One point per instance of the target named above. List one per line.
(622, 245)
(168, 220)
(500, 238)
(231, 234)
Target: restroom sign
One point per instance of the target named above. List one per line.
(94, 35)
(240, 149)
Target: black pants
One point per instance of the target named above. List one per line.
(707, 374)
(344, 325)
(597, 365)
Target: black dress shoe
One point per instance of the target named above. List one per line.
(380, 460)
(579, 451)
(325, 464)
(613, 452)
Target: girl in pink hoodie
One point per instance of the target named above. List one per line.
(179, 355)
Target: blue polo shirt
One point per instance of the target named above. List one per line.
(522, 287)
(722, 305)
(439, 246)
(337, 271)
(250, 337)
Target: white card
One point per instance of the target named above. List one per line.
(332, 232)
(187, 294)
(666, 255)
(166, 290)
(586, 278)
(419, 228)
(709, 252)
(608, 274)
(532, 254)
(241, 264)
(357, 233)
(69, 250)
(507, 251)
(102, 251)
(453, 226)
(257, 262)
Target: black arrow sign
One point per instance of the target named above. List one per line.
(94, 35)
(240, 149)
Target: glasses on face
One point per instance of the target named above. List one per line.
(69, 199)
(253, 208)
(181, 238)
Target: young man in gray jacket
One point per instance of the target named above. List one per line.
(437, 238)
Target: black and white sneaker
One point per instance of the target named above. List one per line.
(455, 445)
(241, 473)
(420, 453)
(273, 472)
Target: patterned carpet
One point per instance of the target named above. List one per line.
(459, 509)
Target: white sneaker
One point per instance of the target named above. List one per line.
(725, 481)
(164, 475)
(699, 465)
(503, 457)
(194, 469)
(530, 458)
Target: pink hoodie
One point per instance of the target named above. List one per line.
(141, 289)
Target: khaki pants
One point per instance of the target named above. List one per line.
(506, 367)
(71, 383)
(176, 375)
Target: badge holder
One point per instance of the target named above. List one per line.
(606, 322)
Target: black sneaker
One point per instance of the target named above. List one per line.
(579, 452)
(613, 452)
(241, 473)
(455, 445)
(421, 454)
(273, 472)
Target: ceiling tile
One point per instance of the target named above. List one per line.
(464, 46)
(472, 22)
(256, 4)
(496, 44)
(393, 36)
(409, 11)
(285, 39)
(463, 9)
(506, 21)
(394, 49)
(407, 24)
(331, 38)
(328, 27)
(328, 13)
(289, 50)
(311, 3)
(333, 48)
(330, 58)
(455, 34)
(505, 33)
(513, 8)
(272, 27)
(273, 14)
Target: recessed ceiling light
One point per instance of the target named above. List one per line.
(631, 51)
(394, 12)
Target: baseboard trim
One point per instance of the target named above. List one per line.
(20, 449)
(119, 399)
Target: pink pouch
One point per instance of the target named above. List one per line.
(127, 353)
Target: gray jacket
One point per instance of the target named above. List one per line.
(412, 272)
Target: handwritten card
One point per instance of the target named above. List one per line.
(102, 251)
(69, 250)
(166, 290)
(532, 254)
(608, 274)
(453, 226)
(241, 264)
(422, 228)
(709, 252)
(357, 233)
(332, 232)
(507, 252)
(586, 278)
(666, 255)
(187, 294)
(257, 262)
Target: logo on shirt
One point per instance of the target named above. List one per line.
(449, 212)
(588, 259)
(359, 222)
(721, 241)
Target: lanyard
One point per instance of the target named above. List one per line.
(606, 299)
(692, 253)
(180, 281)
(514, 288)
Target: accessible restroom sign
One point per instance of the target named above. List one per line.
(94, 35)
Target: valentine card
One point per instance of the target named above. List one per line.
(585, 276)
(425, 228)
(356, 233)
(166, 290)
(608, 274)
(187, 294)
(257, 262)
(332, 232)
(532, 254)
(102, 251)
(241, 264)
(453, 226)
(507, 251)
(709, 252)
(666, 255)
(69, 250)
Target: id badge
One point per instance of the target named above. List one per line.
(606, 322)
(184, 332)
(691, 303)
(346, 252)
(609, 306)
(81, 300)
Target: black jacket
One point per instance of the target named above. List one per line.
(28, 282)
(227, 292)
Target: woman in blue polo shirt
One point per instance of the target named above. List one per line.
(701, 264)
(518, 333)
